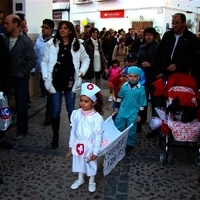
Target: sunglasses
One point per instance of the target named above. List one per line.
(46, 27)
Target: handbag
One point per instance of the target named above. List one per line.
(5, 113)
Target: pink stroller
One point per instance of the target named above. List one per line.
(180, 114)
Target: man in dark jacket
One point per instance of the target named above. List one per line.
(23, 60)
(137, 42)
(177, 51)
(4, 83)
(130, 38)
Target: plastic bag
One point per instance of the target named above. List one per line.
(5, 113)
(155, 123)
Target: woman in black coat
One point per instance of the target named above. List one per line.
(146, 60)
(96, 55)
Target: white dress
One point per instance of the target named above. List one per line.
(85, 139)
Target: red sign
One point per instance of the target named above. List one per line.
(112, 14)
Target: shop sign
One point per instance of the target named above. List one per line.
(112, 14)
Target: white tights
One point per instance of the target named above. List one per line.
(81, 177)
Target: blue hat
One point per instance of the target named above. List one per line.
(131, 57)
(134, 70)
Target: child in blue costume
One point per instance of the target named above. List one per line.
(131, 101)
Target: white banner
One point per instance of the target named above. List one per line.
(114, 150)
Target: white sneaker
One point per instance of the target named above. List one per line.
(110, 98)
(92, 187)
(77, 184)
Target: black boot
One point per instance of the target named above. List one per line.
(55, 123)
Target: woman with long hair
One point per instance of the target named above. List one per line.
(64, 63)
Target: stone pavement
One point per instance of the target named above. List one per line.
(35, 171)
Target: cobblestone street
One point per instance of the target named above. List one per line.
(35, 171)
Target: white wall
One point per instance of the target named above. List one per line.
(114, 5)
(35, 11)
(133, 10)
(187, 5)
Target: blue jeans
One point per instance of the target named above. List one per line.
(20, 86)
(57, 103)
(48, 105)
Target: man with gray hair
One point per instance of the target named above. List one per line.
(22, 60)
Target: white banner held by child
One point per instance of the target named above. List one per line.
(114, 151)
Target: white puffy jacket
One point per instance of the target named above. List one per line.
(80, 60)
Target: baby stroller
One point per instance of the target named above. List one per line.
(179, 117)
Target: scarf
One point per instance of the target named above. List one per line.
(89, 112)
(95, 42)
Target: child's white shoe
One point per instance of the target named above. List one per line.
(92, 187)
(110, 98)
(77, 184)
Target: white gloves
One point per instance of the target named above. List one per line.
(47, 84)
(49, 87)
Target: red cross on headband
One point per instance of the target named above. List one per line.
(90, 86)
(89, 90)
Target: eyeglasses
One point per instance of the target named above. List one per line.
(46, 27)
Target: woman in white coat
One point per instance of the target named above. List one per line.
(64, 63)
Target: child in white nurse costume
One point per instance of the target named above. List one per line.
(86, 135)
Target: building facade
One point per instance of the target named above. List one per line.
(115, 14)
(124, 14)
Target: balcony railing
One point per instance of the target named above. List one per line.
(59, 1)
(82, 1)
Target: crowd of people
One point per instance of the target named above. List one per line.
(131, 62)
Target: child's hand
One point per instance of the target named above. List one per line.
(138, 119)
(106, 71)
(122, 72)
(69, 153)
(145, 64)
(93, 157)
(116, 110)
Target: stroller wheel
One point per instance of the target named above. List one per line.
(170, 157)
(163, 157)
(198, 160)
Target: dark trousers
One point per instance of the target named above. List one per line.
(42, 88)
(2, 135)
(148, 92)
(20, 85)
